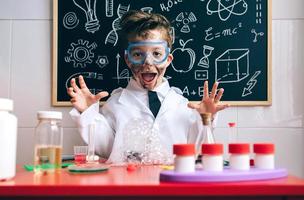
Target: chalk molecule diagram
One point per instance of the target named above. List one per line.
(226, 8)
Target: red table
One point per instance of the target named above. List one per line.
(143, 183)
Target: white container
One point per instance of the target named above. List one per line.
(212, 157)
(48, 142)
(239, 156)
(264, 156)
(184, 160)
(8, 140)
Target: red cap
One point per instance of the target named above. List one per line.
(184, 149)
(231, 124)
(240, 148)
(214, 149)
(266, 148)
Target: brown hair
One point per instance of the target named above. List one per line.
(138, 23)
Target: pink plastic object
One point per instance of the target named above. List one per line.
(231, 124)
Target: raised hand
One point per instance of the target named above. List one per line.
(210, 103)
(82, 98)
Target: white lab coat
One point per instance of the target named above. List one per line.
(175, 122)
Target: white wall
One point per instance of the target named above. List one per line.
(25, 76)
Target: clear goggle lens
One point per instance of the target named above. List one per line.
(156, 51)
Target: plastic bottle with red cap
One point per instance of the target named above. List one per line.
(239, 156)
(264, 155)
(212, 157)
(184, 160)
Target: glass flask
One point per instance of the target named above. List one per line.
(208, 137)
(48, 142)
(207, 133)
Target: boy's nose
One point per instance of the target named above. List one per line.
(148, 59)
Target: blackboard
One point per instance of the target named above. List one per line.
(228, 41)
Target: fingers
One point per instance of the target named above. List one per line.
(206, 90)
(222, 107)
(71, 92)
(82, 82)
(219, 95)
(74, 85)
(101, 95)
(193, 105)
(213, 91)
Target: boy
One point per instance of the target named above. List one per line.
(147, 55)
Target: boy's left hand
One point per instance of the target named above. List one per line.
(210, 103)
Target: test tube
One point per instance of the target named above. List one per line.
(233, 135)
(91, 145)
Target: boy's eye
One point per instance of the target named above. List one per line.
(137, 54)
(157, 54)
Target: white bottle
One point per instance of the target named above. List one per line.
(184, 160)
(239, 156)
(8, 140)
(264, 156)
(212, 157)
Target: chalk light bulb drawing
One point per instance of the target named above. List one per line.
(89, 7)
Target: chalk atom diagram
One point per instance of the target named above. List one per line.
(226, 8)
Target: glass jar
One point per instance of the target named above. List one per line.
(8, 141)
(48, 142)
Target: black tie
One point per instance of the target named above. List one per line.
(154, 102)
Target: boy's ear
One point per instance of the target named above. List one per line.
(170, 58)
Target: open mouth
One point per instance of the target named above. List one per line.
(148, 77)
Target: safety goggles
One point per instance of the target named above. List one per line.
(156, 51)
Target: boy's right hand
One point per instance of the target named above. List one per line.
(82, 98)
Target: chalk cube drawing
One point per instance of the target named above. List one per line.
(232, 66)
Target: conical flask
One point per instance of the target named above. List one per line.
(208, 137)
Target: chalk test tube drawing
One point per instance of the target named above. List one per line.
(89, 8)
(187, 54)
(70, 20)
(86, 75)
(226, 8)
(124, 74)
(112, 36)
(232, 66)
(256, 34)
(81, 53)
(147, 9)
(204, 61)
(109, 8)
(258, 12)
(250, 84)
(102, 61)
(185, 21)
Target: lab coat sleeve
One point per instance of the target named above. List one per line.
(104, 134)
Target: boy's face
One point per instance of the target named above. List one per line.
(148, 59)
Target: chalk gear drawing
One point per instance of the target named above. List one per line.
(155, 52)
(81, 53)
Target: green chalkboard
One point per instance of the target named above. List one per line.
(228, 41)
